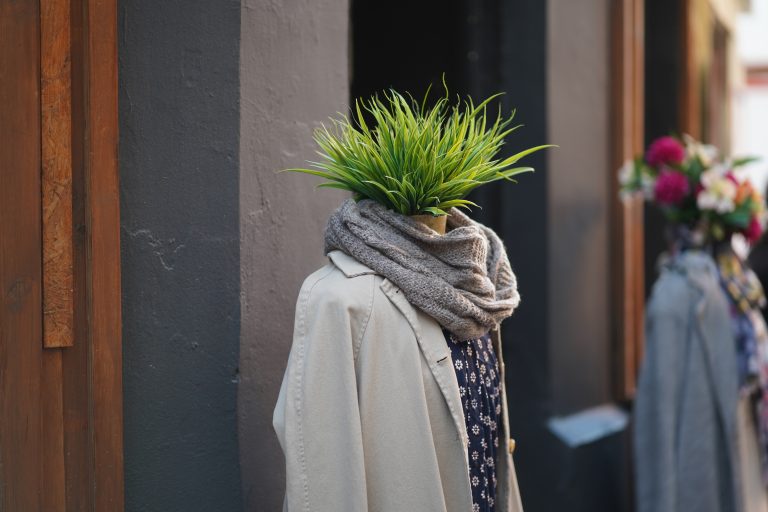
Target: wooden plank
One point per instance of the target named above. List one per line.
(56, 183)
(78, 445)
(627, 90)
(20, 260)
(52, 431)
(638, 262)
(633, 301)
(103, 252)
(56, 127)
(690, 98)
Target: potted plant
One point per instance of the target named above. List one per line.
(413, 159)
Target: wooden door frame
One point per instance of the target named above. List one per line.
(61, 415)
(627, 229)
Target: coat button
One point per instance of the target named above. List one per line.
(511, 445)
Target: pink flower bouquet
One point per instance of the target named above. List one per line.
(694, 185)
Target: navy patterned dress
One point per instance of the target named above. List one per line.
(477, 370)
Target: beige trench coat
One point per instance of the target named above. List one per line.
(369, 415)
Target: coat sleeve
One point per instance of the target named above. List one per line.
(657, 397)
(317, 418)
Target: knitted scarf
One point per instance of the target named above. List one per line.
(462, 279)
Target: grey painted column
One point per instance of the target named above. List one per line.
(579, 94)
(179, 173)
(293, 75)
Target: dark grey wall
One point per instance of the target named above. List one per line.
(179, 152)
(293, 75)
(579, 202)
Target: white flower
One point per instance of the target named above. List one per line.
(627, 173)
(707, 153)
(714, 175)
(719, 191)
(648, 184)
(711, 201)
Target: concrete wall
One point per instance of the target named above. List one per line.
(578, 84)
(179, 123)
(293, 75)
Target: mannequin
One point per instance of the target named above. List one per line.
(393, 398)
(370, 413)
(698, 443)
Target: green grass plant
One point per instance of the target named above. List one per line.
(413, 159)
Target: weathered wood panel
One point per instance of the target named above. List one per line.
(103, 252)
(56, 112)
(20, 257)
(78, 435)
(52, 432)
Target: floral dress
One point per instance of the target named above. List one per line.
(477, 372)
(746, 297)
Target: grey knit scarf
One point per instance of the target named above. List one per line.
(461, 279)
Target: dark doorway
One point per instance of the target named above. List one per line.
(484, 48)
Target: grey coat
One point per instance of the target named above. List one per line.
(686, 403)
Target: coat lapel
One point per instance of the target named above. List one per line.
(712, 322)
(436, 352)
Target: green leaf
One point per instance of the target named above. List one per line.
(413, 158)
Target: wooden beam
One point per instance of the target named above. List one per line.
(56, 112)
(627, 107)
(690, 97)
(103, 252)
(20, 261)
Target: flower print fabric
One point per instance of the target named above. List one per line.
(477, 372)
(746, 297)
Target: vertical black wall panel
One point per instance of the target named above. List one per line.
(664, 68)
(484, 48)
(179, 129)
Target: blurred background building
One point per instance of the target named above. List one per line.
(750, 89)
(214, 97)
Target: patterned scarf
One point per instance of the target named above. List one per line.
(462, 279)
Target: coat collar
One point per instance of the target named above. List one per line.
(349, 265)
(436, 352)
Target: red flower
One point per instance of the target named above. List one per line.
(671, 187)
(665, 150)
(754, 231)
